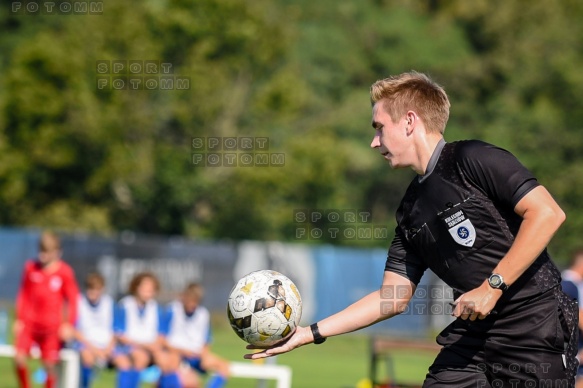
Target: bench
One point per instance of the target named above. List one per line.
(383, 348)
(281, 373)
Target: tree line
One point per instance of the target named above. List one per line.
(294, 75)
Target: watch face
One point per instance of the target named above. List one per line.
(495, 280)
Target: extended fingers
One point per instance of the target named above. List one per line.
(265, 353)
(256, 356)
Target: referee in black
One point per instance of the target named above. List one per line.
(479, 220)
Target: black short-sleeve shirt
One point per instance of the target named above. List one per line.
(460, 220)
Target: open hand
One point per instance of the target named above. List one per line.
(302, 336)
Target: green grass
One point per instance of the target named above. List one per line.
(339, 363)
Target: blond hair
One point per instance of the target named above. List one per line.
(416, 92)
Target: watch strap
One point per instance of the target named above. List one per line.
(318, 339)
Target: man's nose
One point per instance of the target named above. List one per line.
(375, 142)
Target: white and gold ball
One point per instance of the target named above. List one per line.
(264, 308)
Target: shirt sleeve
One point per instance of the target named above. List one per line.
(495, 171)
(165, 317)
(209, 336)
(119, 319)
(22, 299)
(570, 289)
(113, 314)
(78, 320)
(71, 294)
(402, 261)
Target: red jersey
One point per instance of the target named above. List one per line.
(42, 295)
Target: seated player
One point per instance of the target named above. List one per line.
(94, 333)
(187, 342)
(137, 323)
(47, 283)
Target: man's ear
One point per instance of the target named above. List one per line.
(411, 118)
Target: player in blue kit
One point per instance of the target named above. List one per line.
(137, 325)
(187, 342)
(94, 328)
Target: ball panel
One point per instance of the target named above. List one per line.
(287, 331)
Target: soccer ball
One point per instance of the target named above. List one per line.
(264, 308)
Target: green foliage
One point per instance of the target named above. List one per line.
(74, 156)
(531, 92)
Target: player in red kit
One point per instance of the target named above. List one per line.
(46, 309)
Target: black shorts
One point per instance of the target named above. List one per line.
(534, 345)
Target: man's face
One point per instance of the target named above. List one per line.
(390, 138)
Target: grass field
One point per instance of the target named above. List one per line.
(339, 363)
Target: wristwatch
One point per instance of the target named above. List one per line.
(497, 281)
(318, 339)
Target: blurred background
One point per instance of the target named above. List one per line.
(107, 109)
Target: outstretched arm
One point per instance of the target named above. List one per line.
(23, 303)
(70, 293)
(384, 303)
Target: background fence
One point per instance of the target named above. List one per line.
(329, 277)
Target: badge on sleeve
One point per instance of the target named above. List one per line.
(461, 228)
